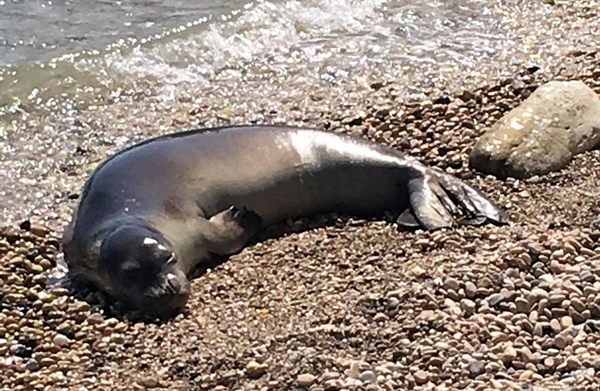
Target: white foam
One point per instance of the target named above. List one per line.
(261, 29)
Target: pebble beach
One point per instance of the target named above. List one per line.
(335, 303)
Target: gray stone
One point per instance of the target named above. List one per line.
(367, 376)
(495, 299)
(32, 365)
(470, 289)
(468, 306)
(558, 121)
(452, 283)
(476, 368)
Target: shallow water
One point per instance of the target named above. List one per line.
(75, 54)
(32, 31)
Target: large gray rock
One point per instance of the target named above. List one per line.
(558, 121)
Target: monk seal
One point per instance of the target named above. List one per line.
(151, 213)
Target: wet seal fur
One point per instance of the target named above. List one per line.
(153, 212)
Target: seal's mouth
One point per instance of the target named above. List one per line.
(170, 285)
(166, 297)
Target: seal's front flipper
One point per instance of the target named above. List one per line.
(232, 229)
(439, 200)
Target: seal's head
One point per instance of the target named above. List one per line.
(143, 271)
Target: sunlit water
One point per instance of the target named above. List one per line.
(66, 54)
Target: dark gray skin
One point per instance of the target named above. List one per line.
(149, 215)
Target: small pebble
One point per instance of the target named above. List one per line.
(367, 376)
(61, 340)
(305, 380)
(421, 377)
(476, 368)
(255, 369)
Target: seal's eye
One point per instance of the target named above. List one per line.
(155, 251)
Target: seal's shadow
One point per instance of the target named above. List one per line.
(111, 308)
(296, 226)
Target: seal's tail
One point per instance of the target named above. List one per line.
(439, 200)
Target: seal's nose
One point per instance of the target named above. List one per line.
(177, 285)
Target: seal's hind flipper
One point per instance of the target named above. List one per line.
(407, 219)
(439, 200)
(476, 207)
(427, 207)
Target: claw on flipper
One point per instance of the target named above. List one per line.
(439, 200)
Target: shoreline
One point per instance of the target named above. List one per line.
(54, 154)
